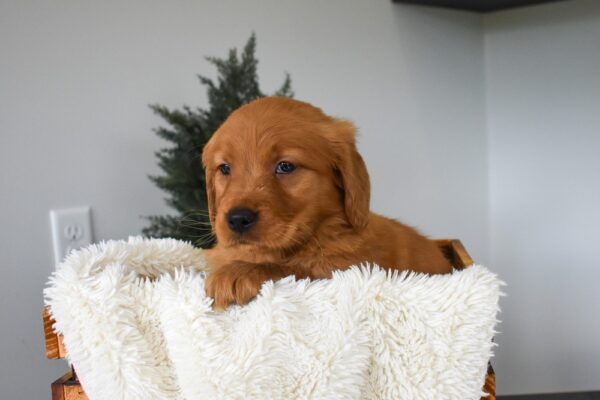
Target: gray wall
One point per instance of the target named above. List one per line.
(75, 79)
(482, 128)
(543, 117)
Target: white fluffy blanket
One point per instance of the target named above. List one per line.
(364, 334)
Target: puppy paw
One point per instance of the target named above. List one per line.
(238, 282)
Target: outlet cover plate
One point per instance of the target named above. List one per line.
(71, 230)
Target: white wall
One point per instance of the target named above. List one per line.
(543, 107)
(75, 79)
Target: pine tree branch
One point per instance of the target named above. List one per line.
(188, 130)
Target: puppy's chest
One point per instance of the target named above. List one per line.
(318, 263)
(312, 263)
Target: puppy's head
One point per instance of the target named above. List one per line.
(276, 169)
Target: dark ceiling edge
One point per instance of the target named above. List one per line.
(480, 7)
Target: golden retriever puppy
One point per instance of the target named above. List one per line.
(288, 194)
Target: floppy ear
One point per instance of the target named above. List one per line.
(354, 176)
(210, 188)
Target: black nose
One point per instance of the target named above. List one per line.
(241, 220)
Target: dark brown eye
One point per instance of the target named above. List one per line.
(285, 167)
(225, 169)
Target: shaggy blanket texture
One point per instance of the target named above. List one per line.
(138, 325)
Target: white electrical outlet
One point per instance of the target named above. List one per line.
(71, 229)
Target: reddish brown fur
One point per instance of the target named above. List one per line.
(310, 222)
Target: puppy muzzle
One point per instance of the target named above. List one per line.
(241, 220)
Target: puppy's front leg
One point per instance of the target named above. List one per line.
(239, 281)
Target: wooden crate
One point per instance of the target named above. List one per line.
(68, 387)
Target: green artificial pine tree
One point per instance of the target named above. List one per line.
(189, 130)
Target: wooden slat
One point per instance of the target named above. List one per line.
(58, 392)
(461, 256)
(67, 387)
(490, 384)
(74, 391)
(54, 342)
(455, 252)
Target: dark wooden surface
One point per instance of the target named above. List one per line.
(477, 5)
(555, 396)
